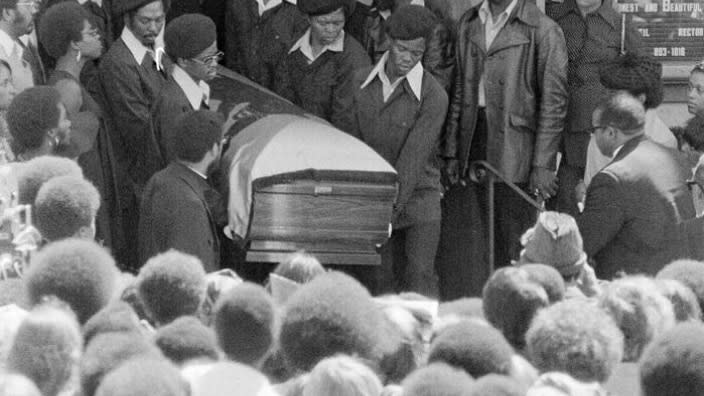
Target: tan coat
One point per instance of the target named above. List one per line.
(526, 91)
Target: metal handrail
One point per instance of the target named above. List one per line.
(482, 172)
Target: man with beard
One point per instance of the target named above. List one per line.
(175, 211)
(17, 19)
(191, 43)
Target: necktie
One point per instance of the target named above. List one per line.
(31, 56)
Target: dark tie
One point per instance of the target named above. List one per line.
(31, 56)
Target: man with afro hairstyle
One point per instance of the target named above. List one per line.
(438, 379)
(79, 272)
(32, 175)
(170, 285)
(66, 207)
(244, 321)
(187, 339)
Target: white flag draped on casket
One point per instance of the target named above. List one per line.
(282, 144)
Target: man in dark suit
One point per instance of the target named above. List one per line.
(191, 43)
(176, 207)
(636, 205)
(397, 108)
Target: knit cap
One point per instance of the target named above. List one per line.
(554, 240)
(189, 35)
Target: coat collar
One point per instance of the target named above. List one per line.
(629, 146)
(196, 92)
(528, 14)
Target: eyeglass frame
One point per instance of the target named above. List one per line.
(593, 129)
(208, 60)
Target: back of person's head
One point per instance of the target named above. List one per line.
(170, 285)
(195, 134)
(47, 347)
(299, 267)
(13, 384)
(498, 385)
(77, 271)
(690, 273)
(60, 25)
(342, 376)
(117, 316)
(673, 364)
(684, 301)
(244, 323)
(465, 307)
(438, 379)
(639, 310)
(576, 337)
(185, 339)
(332, 314)
(637, 74)
(107, 351)
(562, 384)
(549, 278)
(554, 240)
(31, 115)
(142, 376)
(511, 299)
(32, 175)
(66, 207)
(476, 348)
(622, 111)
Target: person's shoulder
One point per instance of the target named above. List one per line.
(432, 90)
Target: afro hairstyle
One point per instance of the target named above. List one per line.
(511, 299)
(466, 307)
(438, 379)
(342, 376)
(683, 300)
(477, 349)
(195, 134)
(549, 278)
(107, 351)
(31, 114)
(63, 205)
(117, 316)
(498, 385)
(13, 384)
(299, 267)
(142, 376)
(673, 364)
(576, 337)
(79, 272)
(60, 25)
(186, 338)
(45, 346)
(333, 314)
(244, 323)
(170, 285)
(32, 175)
(690, 273)
(639, 310)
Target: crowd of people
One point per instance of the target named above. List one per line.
(109, 134)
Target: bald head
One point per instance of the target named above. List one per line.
(622, 111)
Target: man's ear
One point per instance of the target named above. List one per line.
(7, 14)
(86, 232)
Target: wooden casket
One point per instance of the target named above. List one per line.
(295, 182)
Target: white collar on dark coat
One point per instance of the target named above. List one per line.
(414, 78)
(196, 93)
(139, 50)
(303, 44)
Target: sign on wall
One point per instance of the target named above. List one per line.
(672, 30)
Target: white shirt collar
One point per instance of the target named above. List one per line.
(262, 8)
(8, 44)
(414, 76)
(98, 2)
(138, 49)
(196, 93)
(485, 10)
(303, 44)
(201, 174)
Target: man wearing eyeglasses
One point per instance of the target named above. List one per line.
(191, 42)
(17, 20)
(636, 205)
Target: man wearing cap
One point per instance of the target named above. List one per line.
(17, 20)
(398, 109)
(636, 205)
(508, 108)
(258, 34)
(131, 77)
(175, 212)
(191, 43)
(316, 71)
(592, 31)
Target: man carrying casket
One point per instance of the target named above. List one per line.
(398, 109)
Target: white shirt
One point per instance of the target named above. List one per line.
(492, 27)
(10, 45)
(195, 92)
(414, 78)
(262, 8)
(139, 50)
(303, 45)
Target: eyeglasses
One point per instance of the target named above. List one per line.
(593, 129)
(36, 4)
(699, 66)
(209, 60)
